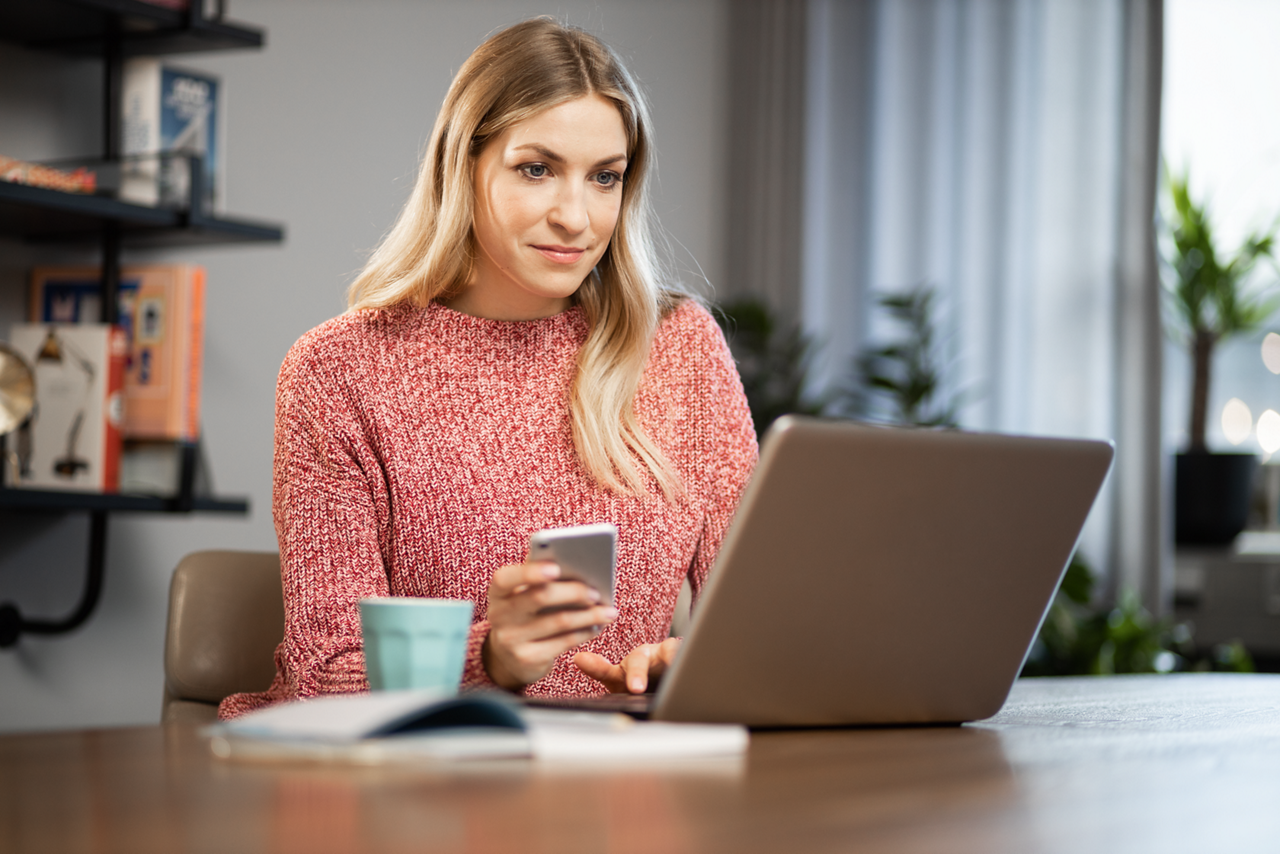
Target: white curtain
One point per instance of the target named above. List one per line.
(765, 190)
(1004, 153)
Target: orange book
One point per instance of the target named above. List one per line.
(161, 309)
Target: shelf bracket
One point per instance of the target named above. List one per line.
(13, 625)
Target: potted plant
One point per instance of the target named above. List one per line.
(1213, 301)
(901, 382)
(773, 361)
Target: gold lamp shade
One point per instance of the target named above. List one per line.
(17, 389)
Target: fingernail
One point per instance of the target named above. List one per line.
(637, 686)
(593, 594)
(550, 570)
(611, 612)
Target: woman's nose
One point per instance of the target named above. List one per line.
(570, 211)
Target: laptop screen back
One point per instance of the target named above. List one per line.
(879, 576)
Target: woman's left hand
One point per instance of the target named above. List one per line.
(642, 666)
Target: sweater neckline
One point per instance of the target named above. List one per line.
(448, 323)
(441, 313)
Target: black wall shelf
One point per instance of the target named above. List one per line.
(113, 30)
(38, 214)
(83, 27)
(42, 500)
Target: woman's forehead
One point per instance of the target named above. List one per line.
(590, 126)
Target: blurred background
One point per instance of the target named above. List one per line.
(816, 157)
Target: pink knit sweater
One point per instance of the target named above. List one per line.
(417, 449)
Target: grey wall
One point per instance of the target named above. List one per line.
(324, 128)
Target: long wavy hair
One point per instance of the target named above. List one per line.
(430, 253)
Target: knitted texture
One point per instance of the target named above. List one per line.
(417, 449)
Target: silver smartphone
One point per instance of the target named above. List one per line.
(585, 553)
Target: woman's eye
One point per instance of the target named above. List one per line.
(607, 179)
(534, 170)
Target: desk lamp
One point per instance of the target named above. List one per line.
(58, 352)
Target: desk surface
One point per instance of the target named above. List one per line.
(1160, 764)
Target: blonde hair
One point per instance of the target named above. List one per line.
(429, 254)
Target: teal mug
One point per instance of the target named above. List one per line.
(415, 643)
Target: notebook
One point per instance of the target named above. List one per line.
(880, 575)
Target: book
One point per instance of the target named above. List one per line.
(79, 180)
(161, 309)
(392, 726)
(168, 111)
(75, 431)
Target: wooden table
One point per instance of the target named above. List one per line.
(1124, 764)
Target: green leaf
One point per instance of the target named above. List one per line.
(1077, 583)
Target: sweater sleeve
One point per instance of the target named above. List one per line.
(332, 514)
(474, 675)
(728, 452)
(332, 510)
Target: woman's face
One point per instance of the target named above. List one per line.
(548, 193)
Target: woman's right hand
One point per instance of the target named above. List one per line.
(533, 619)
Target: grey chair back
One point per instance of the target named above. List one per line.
(226, 617)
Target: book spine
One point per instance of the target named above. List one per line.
(195, 354)
(140, 97)
(140, 121)
(74, 294)
(113, 408)
(188, 124)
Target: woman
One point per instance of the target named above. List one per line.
(509, 363)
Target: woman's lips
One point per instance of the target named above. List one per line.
(560, 254)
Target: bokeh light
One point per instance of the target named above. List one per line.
(1271, 352)
(1269, 431)
(1237, 421)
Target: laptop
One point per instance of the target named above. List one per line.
(879, 575)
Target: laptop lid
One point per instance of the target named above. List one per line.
(877, 575)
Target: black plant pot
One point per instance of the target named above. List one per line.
(1211, 496)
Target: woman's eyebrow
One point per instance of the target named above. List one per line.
(556, 158)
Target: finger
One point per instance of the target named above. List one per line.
(663, 656)
(529, 662)
(636, 666)
(561, 594)
(542, 627)
(510, 580)
(524, 603)
(600, 669)
(666, 655)
(545, 652)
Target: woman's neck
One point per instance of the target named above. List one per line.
(475, 302)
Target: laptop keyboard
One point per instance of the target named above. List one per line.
(635, 705)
